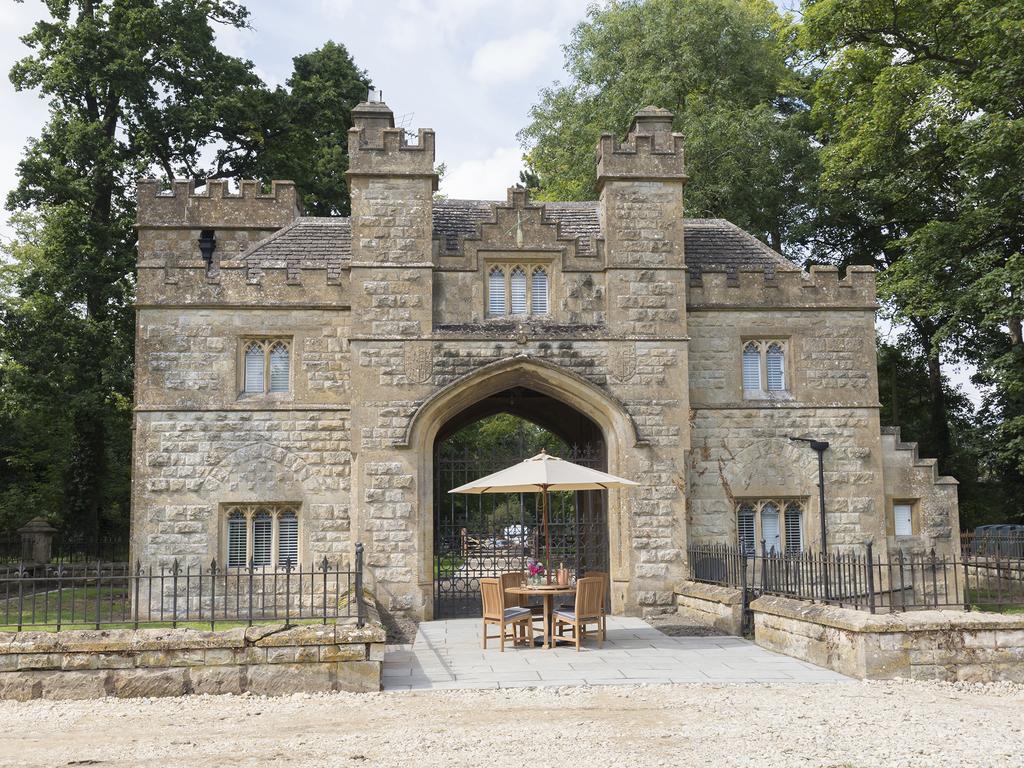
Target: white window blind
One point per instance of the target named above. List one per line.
(751, 367)
(903, 515)
(770, 528)
(287, 538)
(794, 528)
(236, 540)
(262, 538)
(745, 529)
(496, 292)
(517, 284)
(539, 292)
(775, 362)
(279, 367)
(254, 364)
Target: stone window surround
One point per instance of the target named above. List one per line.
(528, 265)
(763, 342)
(249, 510)
(757, 503)
(268, 341)
(915, 517)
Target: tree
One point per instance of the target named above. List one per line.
(726, 69)
(134, 87)
(299, 133)
(919, 106)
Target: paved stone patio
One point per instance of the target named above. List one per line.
(447, 654)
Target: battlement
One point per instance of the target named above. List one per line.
(216, 206)
(651, 150)
(754, 286)
(377, 148)
(239, 283)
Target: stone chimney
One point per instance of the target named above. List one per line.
(656, 122)
(371, 118)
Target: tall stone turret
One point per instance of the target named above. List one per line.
(392, 184)
(640, 182)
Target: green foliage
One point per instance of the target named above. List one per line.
(504, 432)
(133, 87)
(727, 71)
(920, 109)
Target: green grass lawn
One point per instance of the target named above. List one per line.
(985, 600)
(78, 611)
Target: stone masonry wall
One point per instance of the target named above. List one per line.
(264, 660)
(920, 645)
(189, 464)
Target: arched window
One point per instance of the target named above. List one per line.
(770, 533)
(262, 538)
(279, 367)
(745, 529)
(496, 292)
(539, 292)
(775, 364)
(751, 367)
(287, 538)
(254, 368)
(517, 284)
(794, 528)
(237, 544)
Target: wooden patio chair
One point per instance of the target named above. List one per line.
(603, 576)
(495, 612)
(515, 579)
(587, 610)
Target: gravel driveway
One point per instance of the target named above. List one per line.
(846, 724)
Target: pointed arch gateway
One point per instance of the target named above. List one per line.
(562, 402)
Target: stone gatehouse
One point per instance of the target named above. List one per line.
(294, 374)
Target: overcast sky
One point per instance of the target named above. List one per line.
(469, 69)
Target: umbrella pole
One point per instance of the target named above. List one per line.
(547, 535)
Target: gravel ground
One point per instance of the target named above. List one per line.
(888, 724)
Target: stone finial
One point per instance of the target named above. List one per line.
(37, 540)
(652, 121)
(371, 118)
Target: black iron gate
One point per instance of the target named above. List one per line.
(480, 536)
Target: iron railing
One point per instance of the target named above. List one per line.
(895, 581)
(115, 594)
(68, 549)
(984, 544)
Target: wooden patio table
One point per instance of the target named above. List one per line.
(548, 595)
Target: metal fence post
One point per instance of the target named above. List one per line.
(870, 581)
(360, 615)
(137, 579)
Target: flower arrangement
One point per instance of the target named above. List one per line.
(535, 570)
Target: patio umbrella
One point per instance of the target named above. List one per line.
(541, 474)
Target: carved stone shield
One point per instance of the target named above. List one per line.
(419, 362)
(622, 362)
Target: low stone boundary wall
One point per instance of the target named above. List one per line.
(709, 605)
(269, 660)
(918, 645)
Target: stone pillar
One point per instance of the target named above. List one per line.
(640, 182)
(392, 182)
(37, 541)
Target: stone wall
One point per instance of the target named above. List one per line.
(918, 645)
(265, 660)
(708, 605)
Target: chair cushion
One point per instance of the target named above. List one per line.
(514, 613)
(571, 615)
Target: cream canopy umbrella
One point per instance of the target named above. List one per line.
(541, 474)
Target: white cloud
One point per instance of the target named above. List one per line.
(487, 178)
(515, 58)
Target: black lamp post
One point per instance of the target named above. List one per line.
(819, 447)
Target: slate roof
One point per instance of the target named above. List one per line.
(710, 244)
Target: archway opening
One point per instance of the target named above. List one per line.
(479, 536)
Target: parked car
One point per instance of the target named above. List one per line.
(1001, 540)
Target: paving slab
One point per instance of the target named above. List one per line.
(447, 654)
